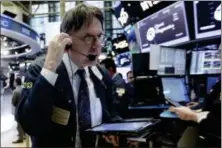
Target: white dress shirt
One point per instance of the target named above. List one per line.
(95, 104)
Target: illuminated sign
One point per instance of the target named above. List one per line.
(152, 31)
(13, 25)
(166, 27)
(145, 5)
(26, 31)
(4, 23)
(123, 17)
(121, 45)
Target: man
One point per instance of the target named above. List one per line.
(16, 98)
(130, 77)
(66, 93)
(130, 86)
(122, 96)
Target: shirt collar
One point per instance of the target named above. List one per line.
(68, 62)
(75, 68)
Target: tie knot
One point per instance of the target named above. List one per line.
(81, 73)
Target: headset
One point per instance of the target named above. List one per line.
(91, 57)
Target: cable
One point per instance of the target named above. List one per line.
(70, 67)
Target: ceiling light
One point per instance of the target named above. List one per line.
(16, 53)
(4, 38)
(27, 49)
(5, 52)
(5, 44)
(22, 65)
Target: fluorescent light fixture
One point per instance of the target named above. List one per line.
(27, 49)
(5, 52)
(22, 65)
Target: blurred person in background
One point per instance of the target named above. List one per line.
(120, 88)
(130, 85)
(16, 98)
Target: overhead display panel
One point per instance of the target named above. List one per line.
(166, 27)
(19, 32)
(207, 16)
(130, 12)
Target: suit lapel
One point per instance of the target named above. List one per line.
(63, 83)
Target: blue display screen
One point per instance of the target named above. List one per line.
(128, 126)
(175, 89)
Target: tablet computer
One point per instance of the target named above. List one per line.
(134, 127)
(174, 103)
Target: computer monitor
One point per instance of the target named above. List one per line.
(172, 61)
(211, 81)
(175, 89)
(205, 62)
(148, 90)
(166, 27)
(141, 66)
(168, 61)
(207, 18)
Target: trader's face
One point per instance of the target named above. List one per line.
(87, 40)
(130, 77)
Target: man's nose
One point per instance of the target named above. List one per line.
(97, 43)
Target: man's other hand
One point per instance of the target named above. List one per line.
(112, 139)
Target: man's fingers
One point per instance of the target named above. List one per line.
(66, 41)
(114, 140)
(62, 36)
(172, 109)
(107, 139)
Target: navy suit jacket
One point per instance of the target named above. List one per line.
(121, 100)
(38, 98)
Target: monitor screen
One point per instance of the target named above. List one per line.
(211, 81)
(141, 66)
(166, 27)
(126, 14)
(172, 61)
(175, 89)
(205, 62)
(207, 16)
(128, 126)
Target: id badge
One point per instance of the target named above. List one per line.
(60, 116)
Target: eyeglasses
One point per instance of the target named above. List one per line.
(89, 39)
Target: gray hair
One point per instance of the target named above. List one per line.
(81, 15)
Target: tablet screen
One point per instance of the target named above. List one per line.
(128, 126)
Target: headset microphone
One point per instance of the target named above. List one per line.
(90, 57)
